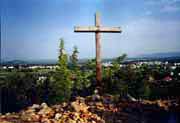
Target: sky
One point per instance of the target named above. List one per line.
(31, 29)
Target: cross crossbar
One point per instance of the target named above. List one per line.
(97, 29)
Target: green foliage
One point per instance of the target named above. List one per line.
(120, 59)
(74, 58)
(91, 65)
(79, 77)
(127, 80)
(21, 89)
(81, 80)
(117, 62)
(63, 58)
(61, 83)
(112, 83)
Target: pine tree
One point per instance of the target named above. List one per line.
(80, 78)
(111, 77)
(63, 58)
(62, 83)
(74, 58)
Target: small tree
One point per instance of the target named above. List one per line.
(80, 78)
(63, 59)
(74, 58)
(61, 82)
(118, 61)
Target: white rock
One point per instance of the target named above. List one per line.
(35, 106)
(44, 105)
(57, 116)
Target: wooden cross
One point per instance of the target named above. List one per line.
(98, 29)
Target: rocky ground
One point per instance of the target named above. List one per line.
(94, 109)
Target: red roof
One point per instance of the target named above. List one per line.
(167, 78)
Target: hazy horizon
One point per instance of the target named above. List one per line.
(153, 55)
(31, 29)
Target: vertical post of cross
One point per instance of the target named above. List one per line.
(98, 51)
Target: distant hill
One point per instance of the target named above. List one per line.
(154, 56)
(160, 55)
(23, 62)
(14, 62)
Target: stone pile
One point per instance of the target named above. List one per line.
(92, 109)
(74, 112)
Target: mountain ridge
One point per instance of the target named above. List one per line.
(54, 61)
(161, 55)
